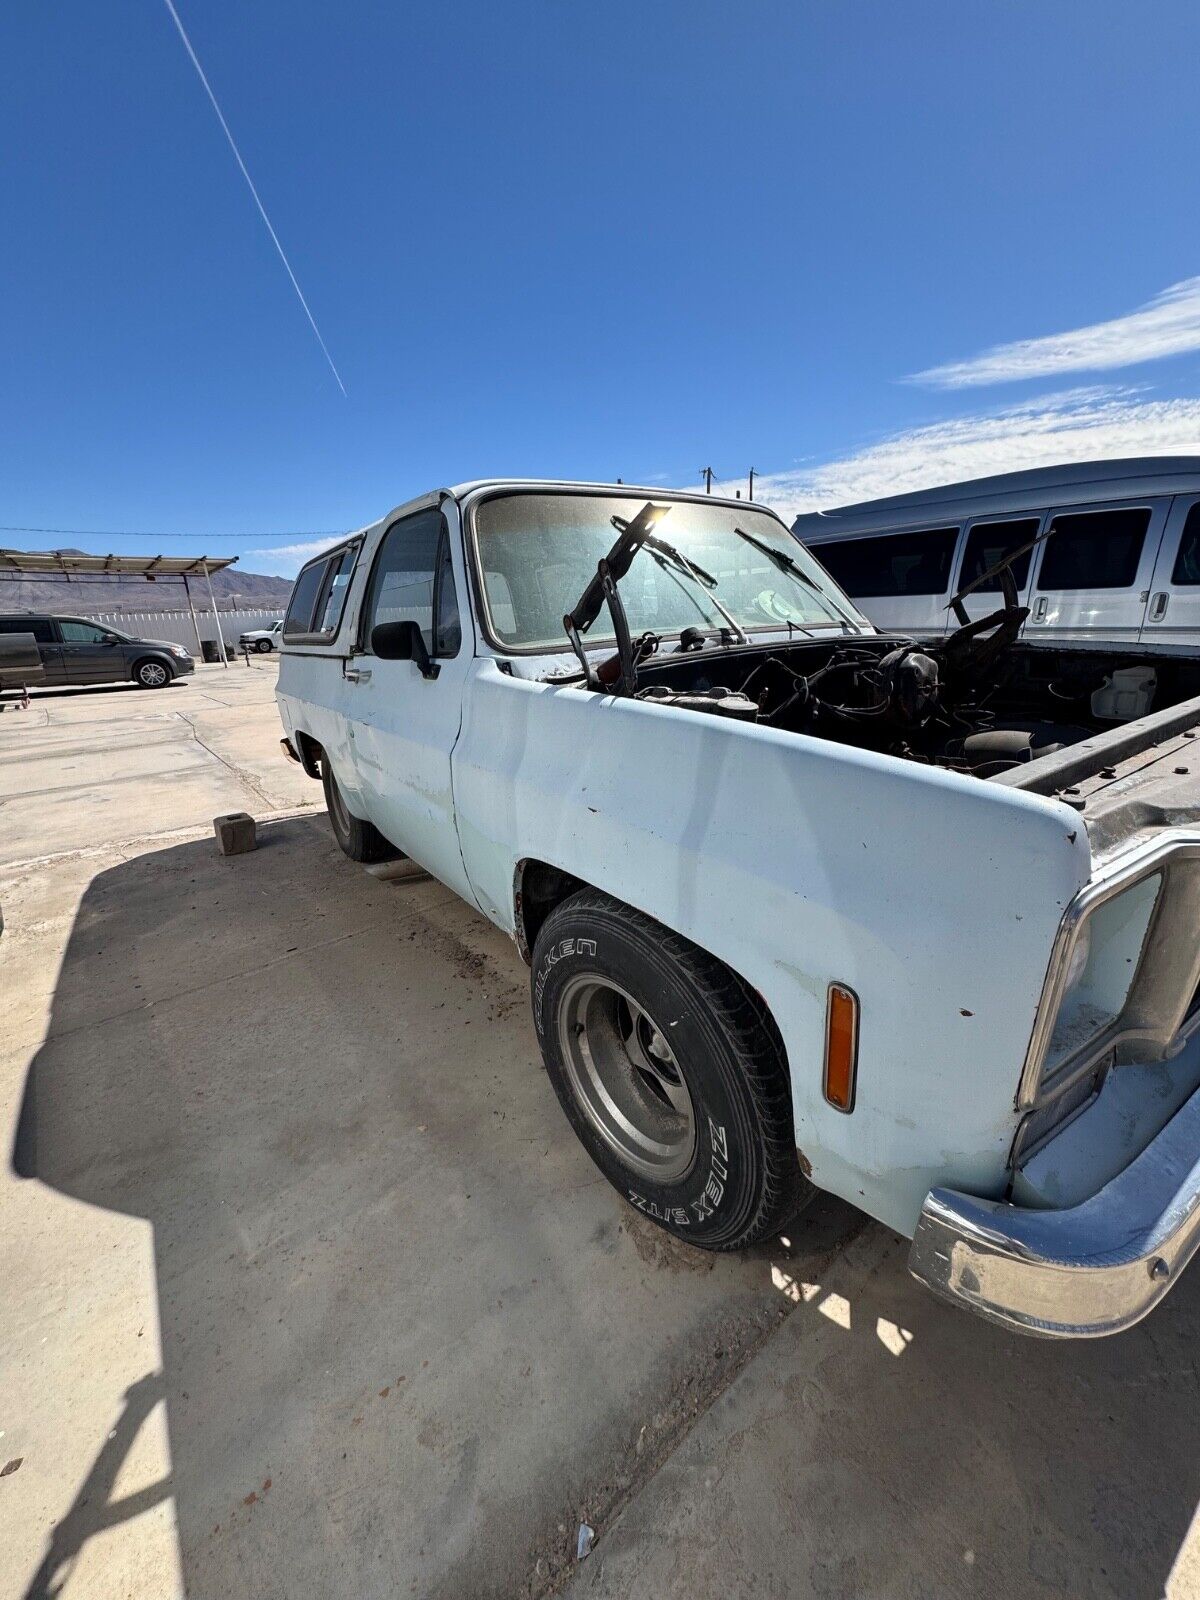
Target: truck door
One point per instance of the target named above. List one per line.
(1091, 576)
(403, 726)
(1173, 612)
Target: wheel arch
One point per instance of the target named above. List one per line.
(159, 657)
(310, 751)
(539, 887)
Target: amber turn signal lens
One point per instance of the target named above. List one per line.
(841, 1046)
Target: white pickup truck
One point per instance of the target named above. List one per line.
(806, 905)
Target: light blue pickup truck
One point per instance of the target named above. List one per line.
(806, 905)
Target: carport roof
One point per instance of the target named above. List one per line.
(39, 563)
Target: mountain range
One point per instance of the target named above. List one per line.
(232, 589)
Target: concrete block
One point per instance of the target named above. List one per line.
(235, 833)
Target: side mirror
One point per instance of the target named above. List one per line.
(109, 638)
(403, 641)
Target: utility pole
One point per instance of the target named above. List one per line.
(752, 483)
(707, 474)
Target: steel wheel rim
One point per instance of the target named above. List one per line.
(153, 674)
(337, 808)
(625, 1078)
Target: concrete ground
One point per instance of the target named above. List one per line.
(307, 1288)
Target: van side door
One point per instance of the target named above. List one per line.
(1091, 578)
(1173, 612)
(900, 580)
(403, 725)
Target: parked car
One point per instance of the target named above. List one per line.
(74, 650)
(1121, 563)
(806, 904)
(262, 639)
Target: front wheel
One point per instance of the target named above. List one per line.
(360, 840)
(671, 1072)
(262, 646)
(152, 674)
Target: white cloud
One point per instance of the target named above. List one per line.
(1087, 424)
(1168, 326)
(287, 559)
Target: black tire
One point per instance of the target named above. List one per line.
(151, 673)
(597, 958)
(262, 646)
(360, 840)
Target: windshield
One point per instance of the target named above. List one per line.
(537, 553)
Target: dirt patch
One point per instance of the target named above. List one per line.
(662, 1250)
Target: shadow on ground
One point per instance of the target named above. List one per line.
(409, 1336)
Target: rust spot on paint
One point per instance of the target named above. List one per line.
(963, 1012)
(805, 1163)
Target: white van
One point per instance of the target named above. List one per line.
(1120, 561)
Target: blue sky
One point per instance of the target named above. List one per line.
(567, 240)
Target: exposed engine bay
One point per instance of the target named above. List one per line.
(978, 700)
(925, 701)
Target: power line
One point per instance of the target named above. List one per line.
(237, 156)
(193, 538)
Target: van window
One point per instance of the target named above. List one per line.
(1187, 560)
(304, 598)
(82, 632)
(39, 627)
(892, 563)
(402, 582)
(1094, 549)
(989, 542)
(333, 597)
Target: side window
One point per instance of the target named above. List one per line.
(333, 595)
(1094, 550)
(989, 542)
(892, 563)
(39, 627)
(80, 632)
(1187, 559)
(402, 582)
(304, 598)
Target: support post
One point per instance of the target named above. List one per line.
(195, 625)
(212, 605)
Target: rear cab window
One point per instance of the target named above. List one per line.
(891, 563)
(314, 611)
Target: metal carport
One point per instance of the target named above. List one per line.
(70, 566)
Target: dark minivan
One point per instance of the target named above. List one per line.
(74, 650)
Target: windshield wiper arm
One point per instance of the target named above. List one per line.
(785, 564)
(780, 557)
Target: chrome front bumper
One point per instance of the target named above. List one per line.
(1080, 1273)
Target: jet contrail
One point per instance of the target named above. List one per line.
(237, 156)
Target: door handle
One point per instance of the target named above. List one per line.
(1039, 611)
(1158, 605)
(357, 674)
